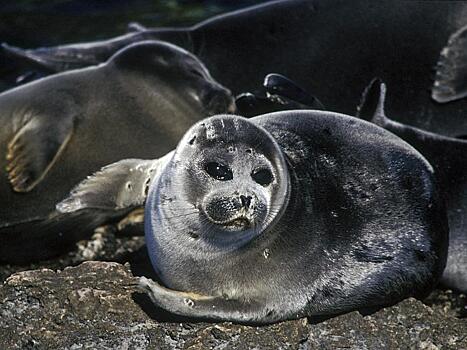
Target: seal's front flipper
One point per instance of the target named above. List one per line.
(451, 72)
(279, 85)
(34, 148)
(116, 187)
(204, 307)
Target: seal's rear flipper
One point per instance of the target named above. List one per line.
(136, 27)
(279, 85)
(118, 186)
(73, 56)
(65, 57)
(277, 94)
(39, 59)
(451, 73)
(34, 149)
(371, 107)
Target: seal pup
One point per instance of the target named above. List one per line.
(448, 157)
(335, 45)
(57, 130)
(333, 213)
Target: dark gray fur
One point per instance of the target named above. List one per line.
(363, 226)
(355, 220)
(449, 159)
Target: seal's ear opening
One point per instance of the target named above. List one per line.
(372, 102)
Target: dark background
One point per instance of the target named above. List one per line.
(33, 23)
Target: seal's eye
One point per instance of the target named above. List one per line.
(196, 72)
(218, 171)
(263, 177)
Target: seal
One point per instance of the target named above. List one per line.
(447, 155)
(57, 130)
(308, 41)
(285, 215)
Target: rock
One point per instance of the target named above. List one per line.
(105, 245)
(96, 306)
(448, 302)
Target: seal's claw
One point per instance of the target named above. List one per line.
(147, 285)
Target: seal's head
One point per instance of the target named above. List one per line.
(160, 62)
(226, 183)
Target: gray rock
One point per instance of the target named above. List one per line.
(96, 306)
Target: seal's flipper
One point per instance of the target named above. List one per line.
(451, 72)
(61, 58)
(65, 57)
(136, 27)
(118, 186)
(34, 149)
(278, 94)
(198, 306)
(36, 58)
(250, 105)
(371, 107)
(277, 84)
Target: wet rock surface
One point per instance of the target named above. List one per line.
(96, 305)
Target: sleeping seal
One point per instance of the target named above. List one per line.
(284, 215)
(448, 157)
(57, 130)
(334, 45)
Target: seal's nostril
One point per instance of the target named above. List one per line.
(246, 201)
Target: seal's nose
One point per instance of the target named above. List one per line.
(246, 201)
(220, 100)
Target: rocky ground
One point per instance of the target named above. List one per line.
(95, 305)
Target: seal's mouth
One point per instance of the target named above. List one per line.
(238, 223)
